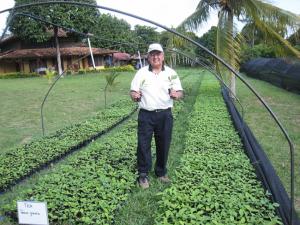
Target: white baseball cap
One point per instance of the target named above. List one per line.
(155, 47)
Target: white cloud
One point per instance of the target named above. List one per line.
(3, 6)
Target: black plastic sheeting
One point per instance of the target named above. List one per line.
(264, 170)
(282, 72)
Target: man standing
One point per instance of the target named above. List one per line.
(154, 87)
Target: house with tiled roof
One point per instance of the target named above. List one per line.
(121, 58)
(23, 56)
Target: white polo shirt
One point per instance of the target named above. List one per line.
(155, 87)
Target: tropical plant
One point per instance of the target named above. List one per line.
(110, 83)
(252, 35)
(172, 43)
(272, 21)
(50, 75)
(209, 41)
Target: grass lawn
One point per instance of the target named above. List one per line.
(286, 105)
(73, 99)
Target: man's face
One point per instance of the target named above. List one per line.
(156, 58)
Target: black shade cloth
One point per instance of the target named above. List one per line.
(263, 167)
(282, 72)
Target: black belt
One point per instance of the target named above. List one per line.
(156, 110)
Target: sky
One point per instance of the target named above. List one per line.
(169, 13)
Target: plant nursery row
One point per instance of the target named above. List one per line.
(24, 160)
(214, 182)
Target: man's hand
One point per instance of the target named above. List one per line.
(135, 96)
(176, 95)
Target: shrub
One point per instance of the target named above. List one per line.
(120, 68)
(82, 71)
(18, 75)
(50, 75)
(91, 70)
(260, 50)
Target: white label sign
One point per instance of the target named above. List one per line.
(32, 213)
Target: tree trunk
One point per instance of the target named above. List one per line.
(253, 33)
(175, 60)
(59, 67)
(231, 59)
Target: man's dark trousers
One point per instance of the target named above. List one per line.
(159, 123)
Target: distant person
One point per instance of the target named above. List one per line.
(138, 65)
(154, 87)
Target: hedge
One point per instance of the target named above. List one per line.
(18, 75)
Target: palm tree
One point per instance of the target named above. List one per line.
(272, 21)
(173, 42)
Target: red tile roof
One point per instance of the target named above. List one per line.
(51, 52)
(121, 56)
(136, 56)
(9, 37)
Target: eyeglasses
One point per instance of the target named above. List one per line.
(155, 53)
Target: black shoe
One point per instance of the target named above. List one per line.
(164, 179)
(143, 182)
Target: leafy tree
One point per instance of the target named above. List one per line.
(145, 35)
(272, 21)
(262, 45)
(209, 41)
(111, 32)
(252, 35)
(258, 46)
(260, 50)
(77, 17)
(295, 38)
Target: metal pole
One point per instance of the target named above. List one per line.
(92, 56)
(140, 58)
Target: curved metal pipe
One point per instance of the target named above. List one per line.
(48, 92)
(229, 67)
(60, 75)
(210, 69)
